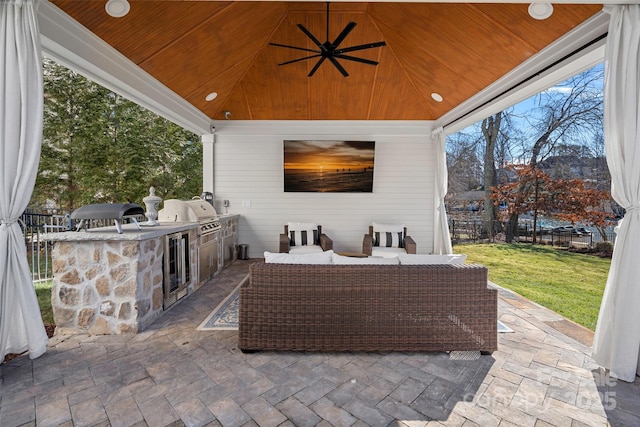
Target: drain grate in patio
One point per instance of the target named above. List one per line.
(464, 355)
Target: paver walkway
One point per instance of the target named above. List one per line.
(173, 375)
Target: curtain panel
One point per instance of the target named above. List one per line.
(441, 237)
(616, 342)
(21, 103)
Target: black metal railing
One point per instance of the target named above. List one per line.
(472, 229)
(34, 225)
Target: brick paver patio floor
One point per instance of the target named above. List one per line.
(173, 375)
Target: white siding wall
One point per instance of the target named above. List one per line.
(248, 170)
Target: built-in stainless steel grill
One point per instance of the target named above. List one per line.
(194, 210)
(202, 212)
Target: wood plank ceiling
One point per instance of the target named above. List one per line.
(199, 47)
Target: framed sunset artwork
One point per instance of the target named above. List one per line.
(328, 166)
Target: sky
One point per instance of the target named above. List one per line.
(328, 155)
(529, 103)
(527, 107)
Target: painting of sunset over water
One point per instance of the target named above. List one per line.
(328, 166)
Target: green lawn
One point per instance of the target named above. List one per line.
(568, 283)
(43, 291)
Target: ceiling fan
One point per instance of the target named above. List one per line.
(330, 50)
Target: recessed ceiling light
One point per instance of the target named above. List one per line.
(540, 10)
(211, 96)
(117, 8)
(436, 97)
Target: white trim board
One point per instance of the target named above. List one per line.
(342, 128)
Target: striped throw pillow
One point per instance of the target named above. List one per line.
(387, 239)
(303, 237)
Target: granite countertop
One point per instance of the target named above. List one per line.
(223, 217)
(129, 232)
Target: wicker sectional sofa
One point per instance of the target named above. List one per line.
(305, 307)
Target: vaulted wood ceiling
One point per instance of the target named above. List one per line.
(199, 47)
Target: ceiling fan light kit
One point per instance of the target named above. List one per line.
(330, 50)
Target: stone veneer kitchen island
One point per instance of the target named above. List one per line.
(110, 283)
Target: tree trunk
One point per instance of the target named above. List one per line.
(512, 228)
(491, 132)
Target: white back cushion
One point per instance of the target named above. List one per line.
(387, 227)
(296, 226)
(312, 258)
(302, 233)
(338, 259)
(419, 259)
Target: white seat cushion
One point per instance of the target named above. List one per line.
(387, 252)
(309, 249)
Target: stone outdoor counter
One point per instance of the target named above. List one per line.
(110, 283)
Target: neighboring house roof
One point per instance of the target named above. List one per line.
(467, 196)
(456, 50)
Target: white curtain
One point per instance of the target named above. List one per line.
(441, 237)
(21, 98)
(617, 339)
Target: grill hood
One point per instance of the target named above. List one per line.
(194, 210)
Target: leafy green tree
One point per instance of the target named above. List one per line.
(177, 161)
(73, 118)
(99, 147)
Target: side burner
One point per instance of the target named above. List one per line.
(115, 211)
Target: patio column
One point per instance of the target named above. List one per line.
(441, 237)
(21, 99)
(208, 162)
(616, 344)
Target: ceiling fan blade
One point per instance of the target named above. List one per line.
(294, 47)
(353, 58)
(360, 47)
(313, 39)
(335, 62)
(350, 26)
(330, 50)
(300, 59)
(315, 67)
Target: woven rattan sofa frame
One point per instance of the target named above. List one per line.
(367, 308)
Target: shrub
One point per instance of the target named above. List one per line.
(604, 247)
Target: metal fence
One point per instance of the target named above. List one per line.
(471, 229)
(462, 229)
(34, 224)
